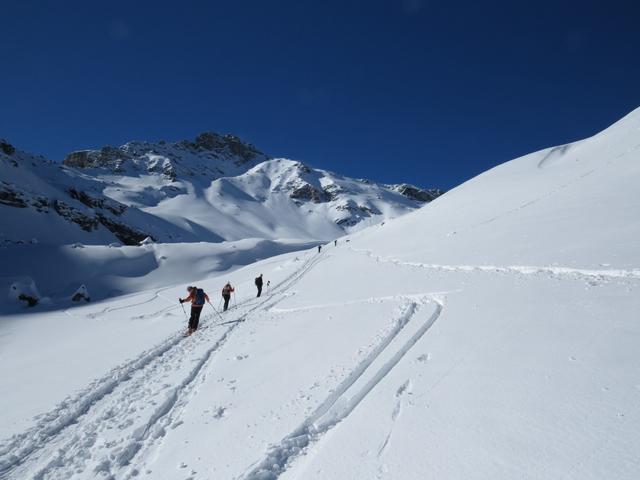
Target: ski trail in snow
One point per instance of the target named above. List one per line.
(169, 416)
(107, 309)
(532, 201)
(349, 393)
(403, 390)
(555, 270)
(128, 408)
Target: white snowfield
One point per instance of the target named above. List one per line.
(493, 334)
(218, 200)
(178, 194)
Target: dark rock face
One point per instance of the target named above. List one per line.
(41, 204)
(112, 206)
(6, 147)
(209, 144)
(310, 193)
(71, 214)
(31, 301)
(11, 198)
(79, 296)
(14, 198)
(332, 191)
(107, 156)
(124, 233)
(87, 220)
(357, 213)
(80, 159)
(418, 194)
(302, 168)
(167, 170)
(358, 209)
(214, 142)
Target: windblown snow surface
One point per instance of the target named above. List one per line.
(493, 334)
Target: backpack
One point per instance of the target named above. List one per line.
(199, 297)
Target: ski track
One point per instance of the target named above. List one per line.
(65, 440)
(106, 310)
(553, 270)
(403, 390)
(340, 403)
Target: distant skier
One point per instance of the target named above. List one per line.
(259, 284)
(227, 290)
(335, 243)
(319, 248)
(197, 297)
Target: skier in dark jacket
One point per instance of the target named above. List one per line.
(197, 297)
(259, 284)
(227, 290)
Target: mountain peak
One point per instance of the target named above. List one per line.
(210, 153)
(212, 188)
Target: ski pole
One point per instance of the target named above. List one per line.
(235, 305)
(214, 309)
(184, 311)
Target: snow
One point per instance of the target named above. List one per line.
(24, 287)
(491, 334)
(109, 272)
(201, 196)
(207, 206)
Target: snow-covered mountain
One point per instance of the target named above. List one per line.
(211, 189)
(492, 334)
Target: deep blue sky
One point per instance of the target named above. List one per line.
(431, 92)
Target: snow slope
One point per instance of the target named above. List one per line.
(110, 271)
(215, 202)
(490, 336)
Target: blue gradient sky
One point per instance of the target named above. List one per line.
(431, 92)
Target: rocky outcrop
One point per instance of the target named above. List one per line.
(171, 159)
(355, 213)
(333, 190)
(214, 142)
(11, 198)
(108, 156)
(71, 214)
(124, 233)
(101, 202)
(418, 194)
(6, 147)
(309, 193)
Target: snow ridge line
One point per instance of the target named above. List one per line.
(71, 409)
(557, 270)
(337, 407)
